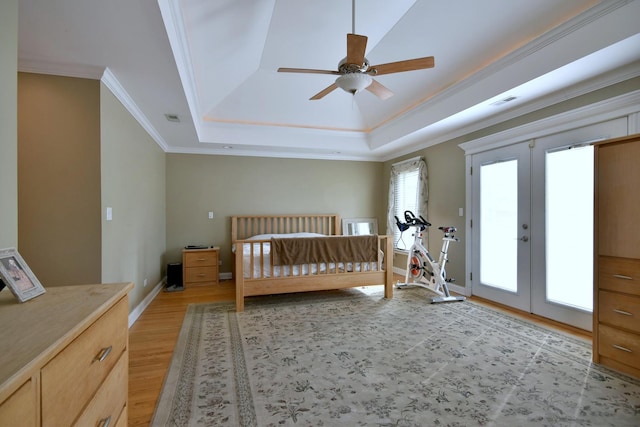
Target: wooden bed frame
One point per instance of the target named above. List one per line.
(244, 227)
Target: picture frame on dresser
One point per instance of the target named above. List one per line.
(17, 276)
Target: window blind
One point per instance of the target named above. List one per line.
(405, 198)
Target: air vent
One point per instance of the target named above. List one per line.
(173, 118)
(503, 101)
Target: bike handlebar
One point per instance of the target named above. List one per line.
(412, 221)
(418, 221)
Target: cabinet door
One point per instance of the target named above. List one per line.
(20, 408)
(618, 198)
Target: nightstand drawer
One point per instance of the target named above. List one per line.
(201, 274)
(619, 310)
(203, 258)
(200, 266)
(619, 274)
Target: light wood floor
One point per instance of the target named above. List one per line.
(153, 337)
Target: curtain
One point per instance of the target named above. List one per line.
(398, 172)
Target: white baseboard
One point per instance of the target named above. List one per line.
(140, 308)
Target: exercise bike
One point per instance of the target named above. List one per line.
(422, 268)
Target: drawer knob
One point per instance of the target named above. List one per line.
(625, 313)
(619, 347)
(104, 353)
(622, 276)
(105, 422)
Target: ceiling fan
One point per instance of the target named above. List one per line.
(355, 72)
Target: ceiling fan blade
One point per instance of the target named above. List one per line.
(400, 66)
(379, 90)
(324, 92)
(306, 70)
(356, 47)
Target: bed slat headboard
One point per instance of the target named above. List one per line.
(243, 227)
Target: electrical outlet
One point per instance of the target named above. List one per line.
(144, 284)
(210, 215)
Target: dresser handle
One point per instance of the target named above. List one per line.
(626, 313)
(104, 353)
(105, 422)
(619, 347)
(201, 259)
(620, 276)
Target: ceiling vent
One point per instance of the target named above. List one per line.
(172, 118)
(503, 101)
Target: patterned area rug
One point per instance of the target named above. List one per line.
(346, 358)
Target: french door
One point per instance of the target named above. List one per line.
(532, 223)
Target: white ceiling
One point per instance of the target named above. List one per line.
(213, 63)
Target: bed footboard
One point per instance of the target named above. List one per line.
(256, 274)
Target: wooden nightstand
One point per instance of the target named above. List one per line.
(200, 266)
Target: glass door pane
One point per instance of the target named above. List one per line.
(562, 215)
(499, 225)
(500, 231)
(569, 227)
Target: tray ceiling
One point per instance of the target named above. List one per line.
(213, 65)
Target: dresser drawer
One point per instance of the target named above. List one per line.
(108, 403)
(620, 310)
(203, 258)
(201, 274)
(72, 377)
(20, 408)
(619, 345)
(123, 419)
(619, 274)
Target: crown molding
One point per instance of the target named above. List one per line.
(174, 25)
(112, 83)
(81, 71)
(428, 140)
(619, 106)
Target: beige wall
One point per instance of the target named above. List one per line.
(227, 185)
(59, 178)
(133, 185)
(8, 123)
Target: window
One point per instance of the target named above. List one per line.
(407, 191)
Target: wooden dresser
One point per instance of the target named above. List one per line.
(64, 357)
(616, 308)
(200, 266)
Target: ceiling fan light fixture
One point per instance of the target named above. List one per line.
(353, 82)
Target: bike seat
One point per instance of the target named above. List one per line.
(449, 229)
